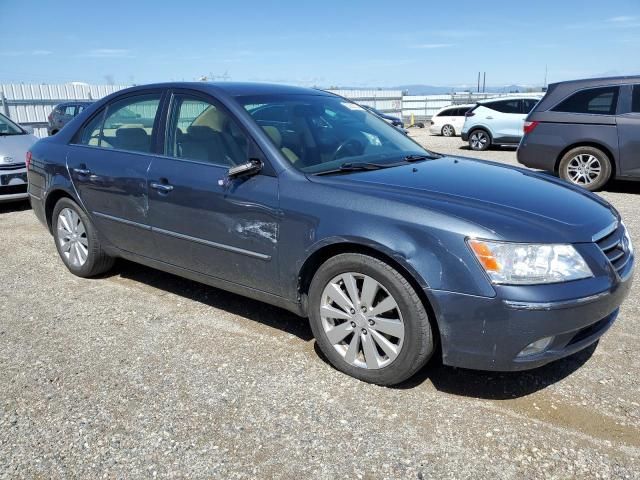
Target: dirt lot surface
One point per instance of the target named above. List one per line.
(142, 374)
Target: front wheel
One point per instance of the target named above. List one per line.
(368, 320)
(77, 240)
(479, 140)
(586, 167)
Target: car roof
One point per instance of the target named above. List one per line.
(498, 99)
(462, 105)
(235, 89)
(597, 82)
(561, 90)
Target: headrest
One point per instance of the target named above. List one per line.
(275, 135)
(132, 134)
(200, 132)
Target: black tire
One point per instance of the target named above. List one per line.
(418, 343)
(420, 125)
(479, 140)
(97, 260)
(448, 131)
(53, 132)
(570, 161)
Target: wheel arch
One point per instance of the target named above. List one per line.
(327, 251)
(599, 146)
(483, 128)
(50, 203)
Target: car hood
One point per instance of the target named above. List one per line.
(16, 146)
(509, 203)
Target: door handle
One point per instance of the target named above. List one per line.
(82, 171)
(489, 118)
(161, 187)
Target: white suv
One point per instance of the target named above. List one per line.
(449, 120)
(497, 122)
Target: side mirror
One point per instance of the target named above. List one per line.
(252, 167)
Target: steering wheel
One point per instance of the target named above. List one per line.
(349, 147)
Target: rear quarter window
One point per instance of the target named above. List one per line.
(595, 101)
(505, 106)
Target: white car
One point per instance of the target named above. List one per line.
(15, 141)
(448, 121)
(498, 121)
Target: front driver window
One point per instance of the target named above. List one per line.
(204, 132)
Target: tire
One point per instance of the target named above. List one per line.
(420, 125)
(479, 140)
(96, 260)
(448, 131)
(587, 167)
(412, 348)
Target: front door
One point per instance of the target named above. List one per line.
(629, 136)
(108, 165)
(201, 221)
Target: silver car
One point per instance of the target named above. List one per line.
(15, 141)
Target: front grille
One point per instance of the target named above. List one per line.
(614, 245)
(13, 189)
(13, 166)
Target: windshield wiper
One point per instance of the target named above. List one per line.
(359, 166)
(417, 158)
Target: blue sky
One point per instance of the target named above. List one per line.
(355, 43)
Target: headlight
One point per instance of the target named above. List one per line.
(529, 264)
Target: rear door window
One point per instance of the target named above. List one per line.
(128, 124)
(635, 102)
(528, 104)
(595, 101)
(506, 106)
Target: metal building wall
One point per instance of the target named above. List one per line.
(30, 105)
(387, 101)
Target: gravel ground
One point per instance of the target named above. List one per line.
(143, 374)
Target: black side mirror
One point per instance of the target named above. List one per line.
(252, 167)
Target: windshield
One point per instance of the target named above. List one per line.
(7, 127)
(321, 133)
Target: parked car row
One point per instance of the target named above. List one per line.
(15, 141)
(585, 131)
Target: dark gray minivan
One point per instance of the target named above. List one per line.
(587, 131)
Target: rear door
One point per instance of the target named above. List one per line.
(629, 131)
(509, 120)
(458, 118)
(108, 163)
(201, 221)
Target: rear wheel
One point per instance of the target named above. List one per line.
(479, 140)
(587, 167)
(448, 131)
(368, 320)
(77, 240)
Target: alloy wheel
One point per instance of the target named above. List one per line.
(479, 140)
(447, 131)
(584, 169)
(72, 237)
(362, 320)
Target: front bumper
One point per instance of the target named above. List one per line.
(488, 333)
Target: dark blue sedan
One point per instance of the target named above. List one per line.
(304, 200)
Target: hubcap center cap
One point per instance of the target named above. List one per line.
(360, 320)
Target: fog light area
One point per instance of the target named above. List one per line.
(538, 346)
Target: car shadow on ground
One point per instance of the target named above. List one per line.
(622, 186)
(19, 206)
(229, 302)
(455, 381)
(508, 148)
(497, 385)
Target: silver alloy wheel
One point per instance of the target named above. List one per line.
(447, 131)
(479, 140)
(584, 169)
(362, 320)
(72, 237)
